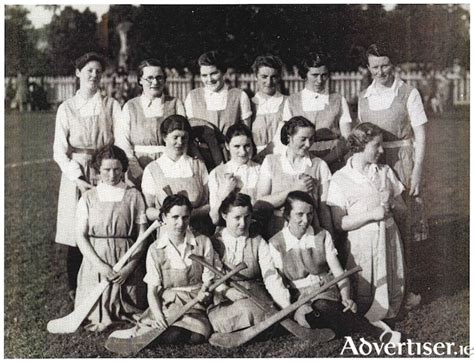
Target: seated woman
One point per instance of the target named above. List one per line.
(240, 173)
(306, 258)
(138, 133)
(176, 172)
(362, 196)
(234, 244)
(108, 219)
(292, 170)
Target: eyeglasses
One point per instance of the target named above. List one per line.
(158, 78)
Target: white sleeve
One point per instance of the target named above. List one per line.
(329, 245)
(204, 174)
(245, 108)
(396, 187)
(180, 108)
(324, 173)
(207, 275)
(153, 273)
(82, 213)
(416, 111)
(271, 278)
(213, 190)
(122, 132)
(335, 196)
(346, 114)
(188, 106)
(148, 184)
(265, 169)
(70, 168)
(286, 111)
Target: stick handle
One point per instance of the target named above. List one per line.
(119, 265)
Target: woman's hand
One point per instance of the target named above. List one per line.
(349, 304)
(229, 185)
(106, 271)
(82, 185)
(380, 213)
(121, 276)
(204, 295)
(159, 321)
(305, 183)
(415, 182)
(300, 315)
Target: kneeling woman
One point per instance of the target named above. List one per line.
(108, 219)
(173, 279)
(234, 244)
(307, 259)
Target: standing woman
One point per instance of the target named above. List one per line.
(139, 131)
(239, 173)
(362, 196)
(176, 172)
(293, 170)
(235, 244)
(84, 123)
(109, 218)
(329, 112)
(268, 101)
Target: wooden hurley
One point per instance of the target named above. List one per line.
(71, 322)
(132, 344)
(235, 339)
(321, 335)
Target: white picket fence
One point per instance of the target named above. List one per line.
(347, 84)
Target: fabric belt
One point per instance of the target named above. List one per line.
(149, 149)
(89, 151)
(397, 144)
(188, 288)
(310, 280)
(109, 237)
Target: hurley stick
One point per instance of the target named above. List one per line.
(235, 339)
(71, 322)
(323, 335)
(132, 344)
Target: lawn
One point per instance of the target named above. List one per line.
(35, 278)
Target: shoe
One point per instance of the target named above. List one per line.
(412, 301)
(389, 336)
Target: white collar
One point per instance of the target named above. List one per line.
(80, 101)
(300, 166)
(209, 92)
(260, 99)
(316, 95)
(120, 185)
(147, 102)
(164, 240)
(181, 168)
(393, 89)
(358, 177)
(291, 242)
(233, 167)
(227, 236)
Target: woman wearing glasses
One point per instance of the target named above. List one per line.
(139, 132)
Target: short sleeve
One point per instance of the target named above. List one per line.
(207, 275)
(265, 169)
(180, 109)
(324, 173)
(345, 114)
(140, 210)
(329, 247)
(286, 111)
(148, 184)
(245, 108)
(213, 189)
(203, 172)
(416, 111)
(153, 273)
(396, 187)
(82, 213)
(335, 196)
(188, 106)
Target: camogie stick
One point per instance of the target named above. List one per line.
(236, 339)
(321, 335)
(129, 345)
(71, 322)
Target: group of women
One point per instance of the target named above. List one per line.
(271, 181)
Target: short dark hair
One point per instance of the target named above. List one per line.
(80, 62)
(271, 61)
(234, 199)
(110, 152)
(240, 129)
(173, 123)
(379, 50)
(296, 196)
(313, 60)
(174, 200)
(149, 63)
(213, 58)
(291, 127)
(362, 134)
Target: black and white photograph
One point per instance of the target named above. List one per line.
(230, 180)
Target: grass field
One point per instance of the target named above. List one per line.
(35, 278)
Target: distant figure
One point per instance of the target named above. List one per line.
(121, 87)
(21, 96)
